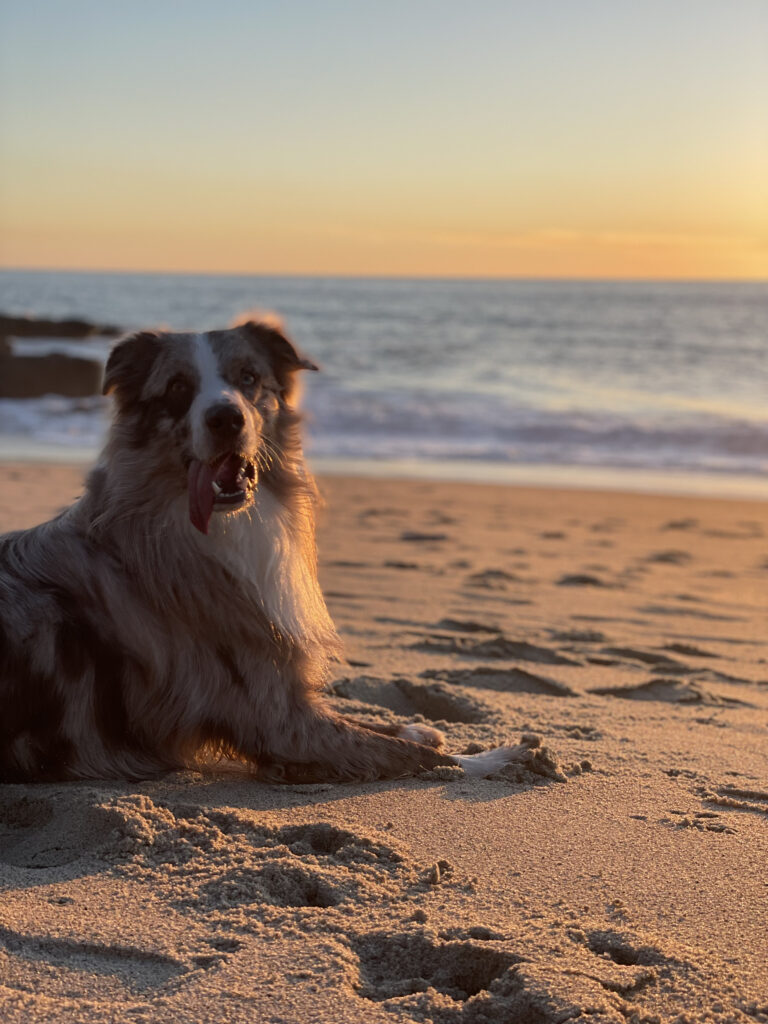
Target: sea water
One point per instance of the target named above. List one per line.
(614, 383)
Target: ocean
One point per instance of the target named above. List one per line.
(657, 386)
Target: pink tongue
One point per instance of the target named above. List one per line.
(199, 481)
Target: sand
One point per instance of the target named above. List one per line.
(618, 874)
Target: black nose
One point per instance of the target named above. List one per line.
(224, 420)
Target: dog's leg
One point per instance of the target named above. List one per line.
(415, 731)
(318, 746)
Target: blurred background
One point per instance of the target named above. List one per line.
(526, 243)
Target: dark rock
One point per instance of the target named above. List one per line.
(55, 374)
(41, 327)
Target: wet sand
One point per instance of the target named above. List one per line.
(619, 875)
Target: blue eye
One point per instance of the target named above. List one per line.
(248, 379)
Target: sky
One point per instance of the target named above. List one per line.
(482, 138)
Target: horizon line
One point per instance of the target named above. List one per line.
(316, 275)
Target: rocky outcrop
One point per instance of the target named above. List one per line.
(41, 327)
(54, 374)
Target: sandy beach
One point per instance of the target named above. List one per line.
(618, 875)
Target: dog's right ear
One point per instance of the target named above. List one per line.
(128, 366)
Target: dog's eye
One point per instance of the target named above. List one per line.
(248, 379)
(178, 396)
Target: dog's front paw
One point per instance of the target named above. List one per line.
(529, 755)
(424, 734)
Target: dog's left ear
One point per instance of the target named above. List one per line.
(128, 366)
(285, 356)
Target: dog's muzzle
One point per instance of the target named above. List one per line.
(224, 485)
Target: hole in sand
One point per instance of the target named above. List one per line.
(225, 943)
(621, 951)
(278, 884)
(24, 812)
(403, 964)
(437, 703)
(319, 838)
(505, 680)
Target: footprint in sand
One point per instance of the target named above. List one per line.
(623, 950)
(223, 862)
(467, 626)
(433, 701)
(576, 730)
(37, 833)
(692, 613)
(701, 821)
(671, 557)
(671, 691)
(713, 676)
(580, 579)
(680, 524)
(440, 518)
(503, 680)
(496, 647)
(491, 579)
(392, 965)
(689, 650)
(17, 813)
(743, 531)
(659, 661)
(578, 636)
(276, 884)
(85, 970)
(423, 537)
(439, 977)
(738, 799)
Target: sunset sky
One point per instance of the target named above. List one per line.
(562, 138)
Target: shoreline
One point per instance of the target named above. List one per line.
(673, 483)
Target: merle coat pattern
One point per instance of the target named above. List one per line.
(174, 610)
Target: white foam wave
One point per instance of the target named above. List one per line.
(445, 426)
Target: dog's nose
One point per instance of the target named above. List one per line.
(224, 420)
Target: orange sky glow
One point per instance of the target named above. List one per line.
(504, 143)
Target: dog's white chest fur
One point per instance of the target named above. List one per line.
(258, 547)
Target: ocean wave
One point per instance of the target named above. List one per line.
(422, 425)
(607, 374)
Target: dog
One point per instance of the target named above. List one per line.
(174, 612)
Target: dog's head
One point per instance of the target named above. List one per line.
(215, 409)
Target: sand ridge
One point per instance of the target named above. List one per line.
(616, 873)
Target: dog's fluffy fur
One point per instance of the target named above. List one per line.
(174, 610)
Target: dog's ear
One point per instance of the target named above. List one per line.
(129, 364)
(284, 354)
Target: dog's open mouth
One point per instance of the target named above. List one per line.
(222, 486)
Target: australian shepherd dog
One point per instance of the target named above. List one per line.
(174, 610)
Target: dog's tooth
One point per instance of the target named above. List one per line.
(216, 488)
